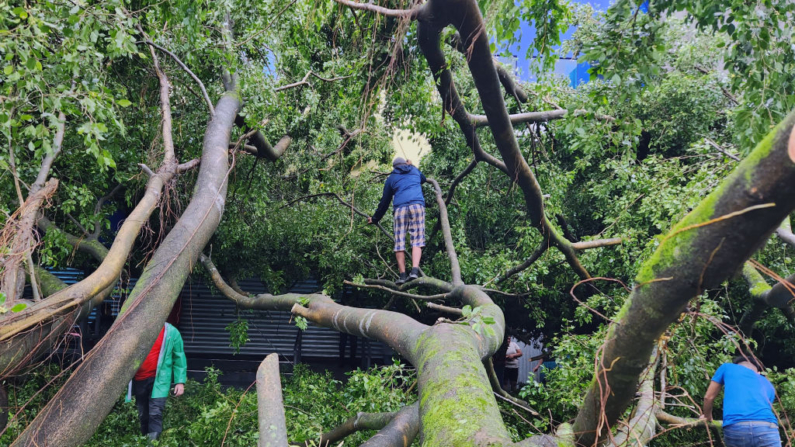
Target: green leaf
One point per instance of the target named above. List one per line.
(2, 298)
(8, 69)
(123, 103)
(19, 307)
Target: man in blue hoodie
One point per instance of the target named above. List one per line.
(404, 184)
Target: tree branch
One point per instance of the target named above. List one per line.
(188, 71)
(440, 296)
(339, 199)
(400, 431)
(585, 245)
(700, 253)
(524, 265)
(362, 421)
(188, 165)
(722, 150)
(470, 167)
(98, 208)
(323, 311)
(455, 268)
(258, 141)
(270, 408)
(445, 309)
(497, 388)
(507, 81)
(305, 81)
(411, 14)
(536, 117)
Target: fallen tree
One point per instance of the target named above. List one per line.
(456, 388)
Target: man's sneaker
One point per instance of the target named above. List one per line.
(402, 279)
(415, 273)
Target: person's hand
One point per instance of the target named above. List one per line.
(408, 162)
(704, 417)
(370, 220)
(179, 389)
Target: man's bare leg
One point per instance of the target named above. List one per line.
(416, 254)
(401, 260)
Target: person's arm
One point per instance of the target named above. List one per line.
(422, 177)
(180, 368)
(383, 205)
(517, 354)
(709, 398)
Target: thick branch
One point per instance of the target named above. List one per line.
(422, 281)
(90, 245)
(445, 309)
(520, 118)
(429, 35)
(401, 430)
(699, 253)
(263, 147)
(643, 424)
(188, 165)
(507, 81)
(585, 245)
(537, 117)
(786, 236)
(362, 421)
(321, 310)
(20, 227)
(118, 354)
(779, 296)
(270, 408)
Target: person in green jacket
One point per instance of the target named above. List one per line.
(152, 382)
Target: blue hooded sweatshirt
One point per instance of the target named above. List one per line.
(404, 184)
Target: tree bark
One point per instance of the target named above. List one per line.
(705, 248)
(400, 431)
(72, 416)
(362, 421)
(270, 407)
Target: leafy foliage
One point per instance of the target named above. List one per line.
(209, 413)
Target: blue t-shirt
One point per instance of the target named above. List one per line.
(748, 396)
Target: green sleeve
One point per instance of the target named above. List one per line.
(180, 362)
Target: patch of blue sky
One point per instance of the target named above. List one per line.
(527, 32)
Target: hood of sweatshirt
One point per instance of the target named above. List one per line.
(401, 169)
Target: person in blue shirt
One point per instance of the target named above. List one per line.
(748, 418)
(403, 188)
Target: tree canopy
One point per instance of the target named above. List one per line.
(626, 222)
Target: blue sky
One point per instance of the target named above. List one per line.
(528, 33)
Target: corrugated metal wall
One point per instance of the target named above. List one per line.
(526, 367)
(205, 316)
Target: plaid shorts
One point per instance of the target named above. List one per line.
(411, 218)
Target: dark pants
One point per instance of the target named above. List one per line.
(752, 434)
(150, 410)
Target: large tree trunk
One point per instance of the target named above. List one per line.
(73, 415)
(708, 246)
